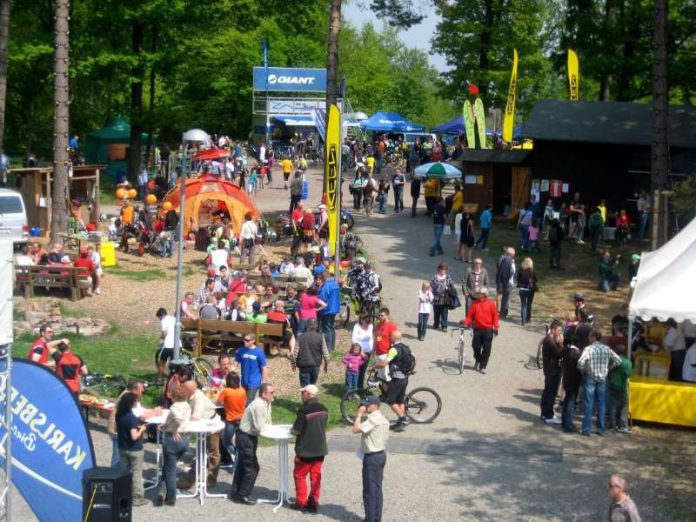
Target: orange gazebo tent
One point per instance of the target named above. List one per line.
(209, 194)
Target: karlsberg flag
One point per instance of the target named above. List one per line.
(51, 445)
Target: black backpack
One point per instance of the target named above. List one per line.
(404, 361)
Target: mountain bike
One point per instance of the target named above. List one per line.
(201, 368)
(351, 302)
(423, 404)
(464, 346)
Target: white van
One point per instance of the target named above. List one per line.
(410, 137)
(13, 217)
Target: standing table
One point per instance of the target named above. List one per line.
(281, 433)
(156, 421)
(202, 428)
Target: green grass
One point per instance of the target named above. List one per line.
(117, 352)
(140, 276)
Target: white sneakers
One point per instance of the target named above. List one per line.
(553, 420)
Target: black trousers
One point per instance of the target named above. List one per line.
(440, 316)
(482, 342)
(372, 475)
(247, 468)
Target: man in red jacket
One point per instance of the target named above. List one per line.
(484, 317)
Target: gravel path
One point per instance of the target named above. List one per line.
(487, 457)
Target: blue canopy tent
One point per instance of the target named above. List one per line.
(390, 122)
(455, 126)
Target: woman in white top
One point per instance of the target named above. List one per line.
(175, 442)
(247, 238)
(362, 334)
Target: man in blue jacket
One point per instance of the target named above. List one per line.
(329, 293)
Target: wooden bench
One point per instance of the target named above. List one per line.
(202, 331)
(281, 280)
(65, 277)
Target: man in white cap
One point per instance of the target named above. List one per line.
(310, 449)
(375, 433)
(323, 225)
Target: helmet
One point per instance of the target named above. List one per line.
(368, 264)
(579, 297)
(360, 260)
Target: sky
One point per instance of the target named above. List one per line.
(358, 14)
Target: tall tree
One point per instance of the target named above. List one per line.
(332, 54)
(135, 144)
(61, 119)
(4, 41)
(659, 167)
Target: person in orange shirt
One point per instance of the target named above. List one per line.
(233, 398)
(483, 315)
(127, 212)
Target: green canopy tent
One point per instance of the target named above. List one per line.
(109, 146)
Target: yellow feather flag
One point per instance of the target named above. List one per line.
(331, 175)
(509, 119)
(573, 75)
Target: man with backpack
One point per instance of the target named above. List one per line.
(400, 362)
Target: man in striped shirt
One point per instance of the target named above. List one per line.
(594, 363)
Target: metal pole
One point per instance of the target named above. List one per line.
(6, 368)
(180, 256)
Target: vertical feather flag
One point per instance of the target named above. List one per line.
(509, 119)
(480, 114)
(573, 75)
(468, 113)
(331, 174)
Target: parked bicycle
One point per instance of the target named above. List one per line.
(423, 404)
(103, 385)
(464, 346)
(351, 302)
(201, 368)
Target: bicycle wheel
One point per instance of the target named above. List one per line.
(461, 355)
(351, 402)
(423, 405)
(203, 370)
(344, 314)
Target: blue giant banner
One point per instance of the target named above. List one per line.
(289, 79)
(51, 445)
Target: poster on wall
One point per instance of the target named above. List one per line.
(555, 188)
(565, 188)
(544, 185)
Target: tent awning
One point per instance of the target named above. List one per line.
(390, 122)
(295, 120)
(666, 280)
(455, 126)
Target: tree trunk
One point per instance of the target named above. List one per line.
(61, 120)
(659, 167)
(149, 157)
(135, 143)
(332, 55)
(485, 45)
(4, 40)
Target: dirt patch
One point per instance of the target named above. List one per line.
(578, 275)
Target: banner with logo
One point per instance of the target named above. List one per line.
(509, 118)
(51, 445)
(289, 79)
(480, 114)
(573, 75)
(332, 178)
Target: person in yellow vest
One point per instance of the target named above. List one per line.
(370, 163)
(431, 189)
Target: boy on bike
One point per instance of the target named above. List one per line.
(400, 362)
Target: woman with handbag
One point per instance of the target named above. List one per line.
(439, 285)
(527, 285)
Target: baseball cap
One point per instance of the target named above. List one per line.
(635, 257)
(319, 270)
(311, 389)
(369, 400)
(322, 206)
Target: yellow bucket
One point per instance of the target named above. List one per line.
(108, 254)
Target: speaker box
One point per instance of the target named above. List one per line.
(107, 495)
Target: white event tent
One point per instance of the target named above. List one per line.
(666, 281)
